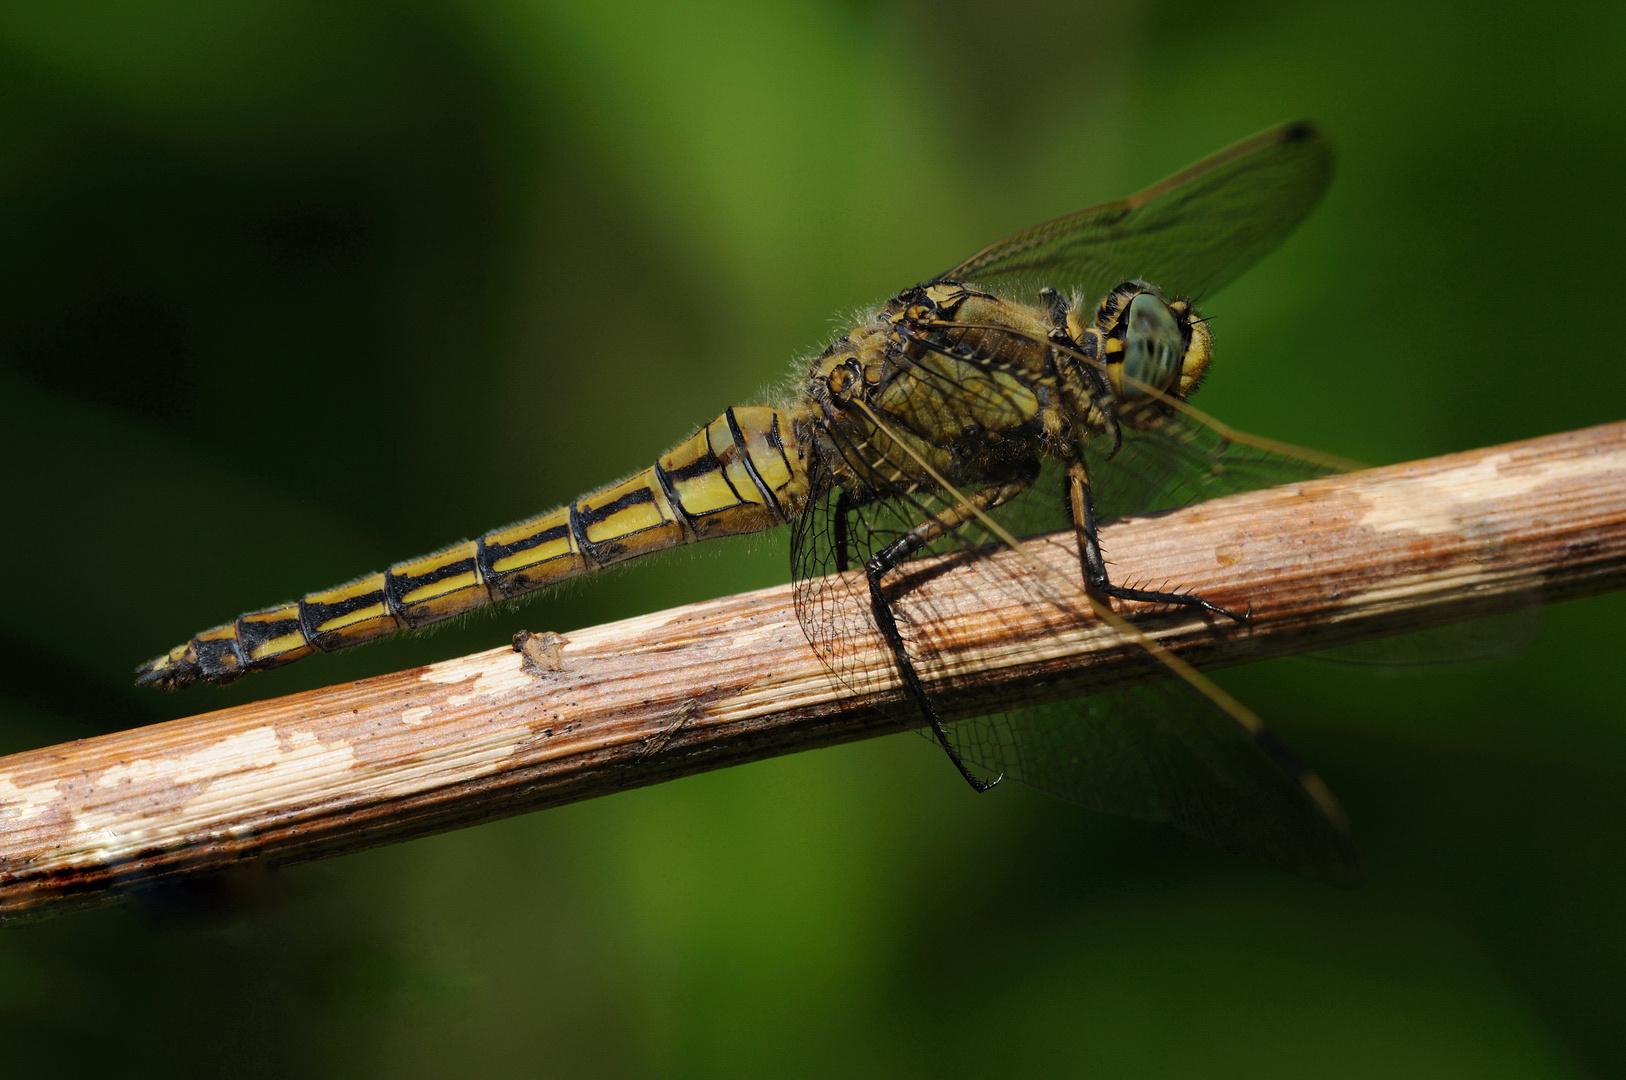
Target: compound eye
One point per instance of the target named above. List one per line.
(1153, 346)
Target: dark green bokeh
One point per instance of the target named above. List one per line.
(293, 290)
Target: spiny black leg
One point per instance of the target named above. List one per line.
(1095, 567)
(883, 562)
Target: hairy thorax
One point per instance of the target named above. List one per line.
(968, 385)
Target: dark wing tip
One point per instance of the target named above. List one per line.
(1300, 131)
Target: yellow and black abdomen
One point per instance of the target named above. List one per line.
(742, 473)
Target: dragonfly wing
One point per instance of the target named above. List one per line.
(841, 530)
(1488, 639)
(1160, 751)
(1186, 461)
(1157, 750)
(1183, 461)
(1190, 234)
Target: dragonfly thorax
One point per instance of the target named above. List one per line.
(960, 376)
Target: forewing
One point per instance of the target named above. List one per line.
(1190, 234)
(1182, 461)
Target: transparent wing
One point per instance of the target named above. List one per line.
(1182, 461)
(1160, 751)
(1488, 639)
(1157, 751)
(1190, 234)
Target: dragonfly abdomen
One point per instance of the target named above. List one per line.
(742, 473)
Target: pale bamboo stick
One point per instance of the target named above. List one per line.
(732, 680)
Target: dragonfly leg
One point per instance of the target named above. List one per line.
(888, 559)
(1095, 567)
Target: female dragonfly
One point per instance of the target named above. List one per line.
(1039, 385)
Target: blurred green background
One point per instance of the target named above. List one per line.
(292, 290)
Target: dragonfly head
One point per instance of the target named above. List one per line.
(1150, 344)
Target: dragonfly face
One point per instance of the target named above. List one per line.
(1150, 345)
(967, 411)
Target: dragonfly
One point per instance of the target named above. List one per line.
(1040, 385)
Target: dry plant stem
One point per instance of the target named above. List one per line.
(732, 680)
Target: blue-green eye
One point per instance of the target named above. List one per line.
(1153, 346)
